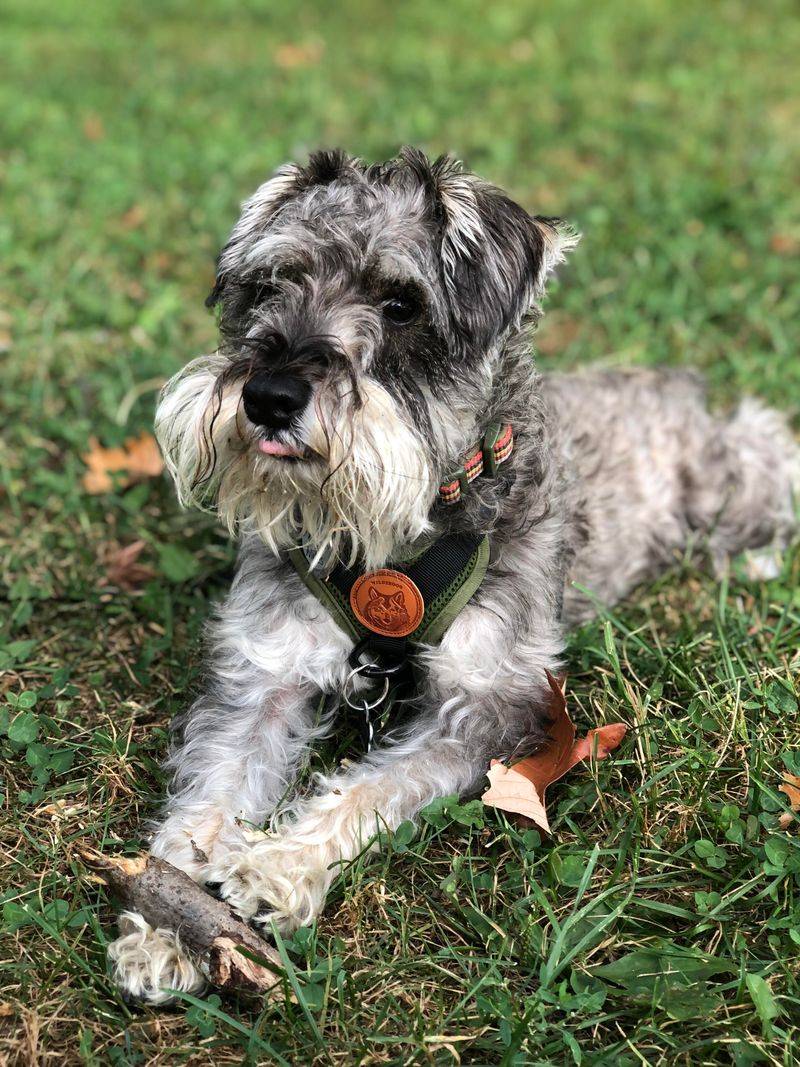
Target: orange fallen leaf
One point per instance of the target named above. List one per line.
(93, 128)
(791, 787)
(784, 244)
(138, 458)
(598, 743)
(123, 568)
(559, 333)
(161, 261)
(520, 789)
(133, 217)
(292, 56)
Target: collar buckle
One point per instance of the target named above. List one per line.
(484, 459)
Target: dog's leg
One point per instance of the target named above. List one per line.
(231, 768)
(285, 877)
(490, 695)
(240, 743)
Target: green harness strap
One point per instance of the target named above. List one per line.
(440, 610)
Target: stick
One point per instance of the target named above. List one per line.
(167, 897)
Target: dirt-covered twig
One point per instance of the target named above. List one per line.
(209, 929)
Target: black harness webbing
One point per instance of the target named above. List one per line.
(446, 563)
(446, 574)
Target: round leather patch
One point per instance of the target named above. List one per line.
(387, 602)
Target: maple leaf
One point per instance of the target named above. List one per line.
(784, 244)
(122, 566)
(133, 217)
(137, 459)
(293, 56)
(791, 787)
(520, 789)
(93, 128)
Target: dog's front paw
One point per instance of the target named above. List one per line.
(269, 885)
(763, 564)
(146, 963)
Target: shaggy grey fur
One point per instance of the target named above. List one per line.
(613, 476)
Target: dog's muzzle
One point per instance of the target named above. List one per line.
(274, 400)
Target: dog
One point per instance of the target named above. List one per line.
(375, 320)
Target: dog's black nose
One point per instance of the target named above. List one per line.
(273, 400)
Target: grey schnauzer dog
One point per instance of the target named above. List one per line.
(374, 320)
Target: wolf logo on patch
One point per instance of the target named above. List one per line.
(386, 612)
(388, 603)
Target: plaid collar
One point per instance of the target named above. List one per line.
(485, 458)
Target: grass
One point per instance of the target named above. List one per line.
(661, 924)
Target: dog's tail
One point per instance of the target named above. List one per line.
(752, 501)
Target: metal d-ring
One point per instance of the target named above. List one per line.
(372, 670)
(348, 688)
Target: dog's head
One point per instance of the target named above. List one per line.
(363, 312)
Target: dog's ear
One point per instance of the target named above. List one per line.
(258, 212)
(256, 215)
(495, 256)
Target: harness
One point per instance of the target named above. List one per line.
(390, 612)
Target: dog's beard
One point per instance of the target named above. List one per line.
(366, 489)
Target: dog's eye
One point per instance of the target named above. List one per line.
(256, 289)
(401, 310)
(290, 272)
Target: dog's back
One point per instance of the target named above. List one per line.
(650, 471)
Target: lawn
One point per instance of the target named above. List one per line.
(661, 923)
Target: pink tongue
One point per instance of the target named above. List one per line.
(275, 448)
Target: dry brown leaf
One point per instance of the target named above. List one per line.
(6, 1010)
(160, 262)
(784, 244)
(133, 217)
(561, 331)
(291, 56)
(138, 458)
(93, 128)
(511, 791)
(520, 789)
(123, 569)
(791, 787)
